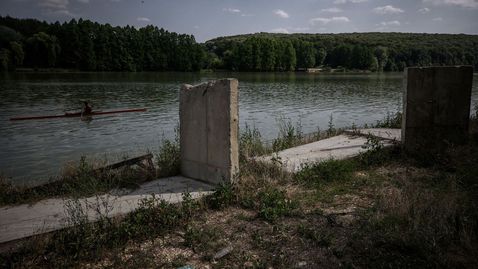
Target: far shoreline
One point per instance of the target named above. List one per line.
(204, 71)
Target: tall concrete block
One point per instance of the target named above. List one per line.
(209, 126)
(436, 107)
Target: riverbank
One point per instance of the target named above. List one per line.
(44, 147)
(86, 178)
(90, 178)
(380, 209)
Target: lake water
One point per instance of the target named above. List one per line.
(31, 151)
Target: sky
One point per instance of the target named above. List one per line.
(207, 19)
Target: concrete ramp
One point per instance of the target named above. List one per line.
(22, 221)
(344, 146)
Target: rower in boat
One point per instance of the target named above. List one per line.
(81, 114)
(87, 110)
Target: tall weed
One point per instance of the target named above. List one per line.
(169, 157)
(289, 135)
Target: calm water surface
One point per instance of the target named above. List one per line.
(32, 151)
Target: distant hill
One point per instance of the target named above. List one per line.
(375, 38)
(372, 51)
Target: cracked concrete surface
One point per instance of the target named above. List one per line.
(48, 215)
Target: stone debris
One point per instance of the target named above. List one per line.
(223, 252)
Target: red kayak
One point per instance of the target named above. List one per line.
(79, 114)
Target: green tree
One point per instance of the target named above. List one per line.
(8, 35)
(17, 53)
(305, 53)
(381, 54)
(229, 59)
(86, 50)
(4, 59)
(92, 46)
(362, 58)
(70, 45)
(320, 56)
(268, 55)
(340, 56)
(42, 50)
(289, 57)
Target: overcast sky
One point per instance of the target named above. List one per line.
(206, 19)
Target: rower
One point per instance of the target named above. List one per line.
(87, 110)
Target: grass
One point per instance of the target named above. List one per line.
(77, 181)
(223, 197)
(86, 179)
(169, 158)
(204, 240)
(327, 171)
(250, 143)
(391, 214)
(88, 241)
(331, 129)
(273, 204)
(391, 120)
(317, 238)
(421, 225)
(290, 135)
(380, 209)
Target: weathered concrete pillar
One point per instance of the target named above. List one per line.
(436, 107)
(209, 126)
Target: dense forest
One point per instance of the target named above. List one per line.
(361, 51)
(90, 46)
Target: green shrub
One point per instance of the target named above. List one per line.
(327, 171)
(374, 153)
(9, 194)
(331, 129)
(84, 181)
(289, 135)
(392, 120)
(202, 239)
(273, 203)
(222, 197)
(250, 143)
(169, 158)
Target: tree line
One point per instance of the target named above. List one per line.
(361, 51)
(90, 46)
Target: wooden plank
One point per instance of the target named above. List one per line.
(132, 161)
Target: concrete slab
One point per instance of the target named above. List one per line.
(338, 147)
(22, 221)
(436, 107)
(209, 124)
